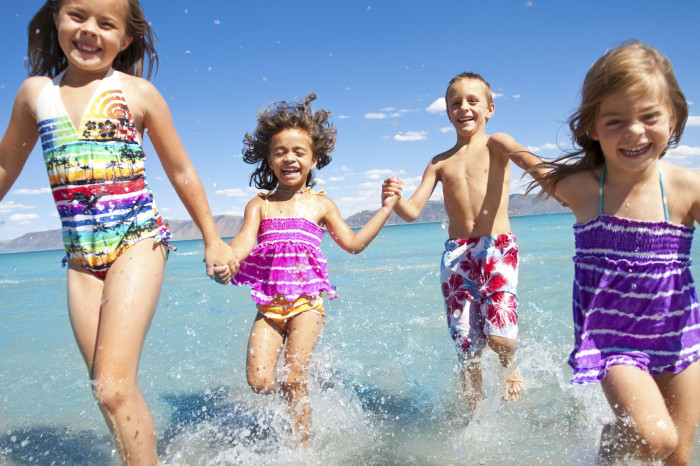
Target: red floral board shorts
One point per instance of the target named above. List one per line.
(479, 279)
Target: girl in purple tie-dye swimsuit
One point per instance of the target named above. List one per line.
(286, 270)
(635, 309)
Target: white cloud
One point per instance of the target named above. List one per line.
(8, 206)
(438, 106)
(375, 116)
(685, 156)
(496, 95)
(232, 192)
(336, 178)
(32, 192)
(387, 109)
(693, 120)
(547, 146)
(23, 219)
(411, 136)
(321, 181)
(344, 168)
(516, 96)
(446, 129)
(685, 150)
(343, 117)
(378, 173)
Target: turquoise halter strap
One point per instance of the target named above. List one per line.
(661, 181)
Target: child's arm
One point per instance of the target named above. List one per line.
(244, 241)
(517, 153)
(410, 209)
(523, 158)
(356, 242)
(21, 135)
(182, 175)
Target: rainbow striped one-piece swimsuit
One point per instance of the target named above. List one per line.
(97, 176)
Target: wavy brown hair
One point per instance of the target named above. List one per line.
(630, 65)
(280, 116)
(47, 59)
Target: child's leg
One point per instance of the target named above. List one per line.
(643, 428)
(302, 333)
(505, 348)
(112, 344)
(683, 400)
(470, 372)
(264, 347)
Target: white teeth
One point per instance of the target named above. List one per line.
(635, 151)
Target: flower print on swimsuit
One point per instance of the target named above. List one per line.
(502, 310)
(456, 294)
(91, 33)
(633, 129)
(484, 273)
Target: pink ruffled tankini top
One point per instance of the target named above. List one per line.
(287, 261)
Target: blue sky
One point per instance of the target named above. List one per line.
(380, 67)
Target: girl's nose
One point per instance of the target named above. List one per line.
(89, 26)
(635, 128)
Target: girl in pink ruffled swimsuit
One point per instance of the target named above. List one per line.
(279, 248)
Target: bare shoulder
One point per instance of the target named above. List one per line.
(503, 144)
(682, 177)
(141, 95)
(30, 89)
(136, 84)
(325, 202)
(579, 187)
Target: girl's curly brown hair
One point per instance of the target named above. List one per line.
(280, 116)
(47, 59)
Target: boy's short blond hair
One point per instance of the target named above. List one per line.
(474, 76)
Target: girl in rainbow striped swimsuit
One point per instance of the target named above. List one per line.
(87, 103)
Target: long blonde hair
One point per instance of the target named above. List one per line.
(631, 64)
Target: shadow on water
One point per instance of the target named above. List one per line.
(210, 420)
(51, 445)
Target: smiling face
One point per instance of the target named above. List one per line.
(91, 33)
(468, 106)
(291, 158)
(633, 128)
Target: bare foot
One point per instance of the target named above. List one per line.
(514, 386)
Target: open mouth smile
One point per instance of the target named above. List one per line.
(635, 151)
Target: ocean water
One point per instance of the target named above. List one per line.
(384, 378)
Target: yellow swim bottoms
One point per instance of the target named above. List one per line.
(280, 310)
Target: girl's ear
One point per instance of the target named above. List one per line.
(315, 162)
(125, 43)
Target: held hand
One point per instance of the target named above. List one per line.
(391, 191)
(222, 274)
(219, 254)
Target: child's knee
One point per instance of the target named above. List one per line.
(261, 381)
(111, 393)
(660, 444)
(504, 347)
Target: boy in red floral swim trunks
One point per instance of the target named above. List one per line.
(479, 269)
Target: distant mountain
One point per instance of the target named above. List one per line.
(434, 211)
(229, 225)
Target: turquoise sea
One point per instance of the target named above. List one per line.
(383, 378)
